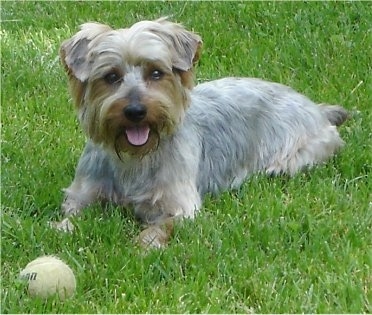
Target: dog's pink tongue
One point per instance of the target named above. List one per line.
(138, 135)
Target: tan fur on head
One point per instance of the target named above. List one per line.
(74, 52)
(132, 54)
(185, 46)
(74, 56)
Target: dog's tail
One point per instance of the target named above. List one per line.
(336, 114)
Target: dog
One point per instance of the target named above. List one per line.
(159, 144)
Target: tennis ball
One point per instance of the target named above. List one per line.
(47, 276)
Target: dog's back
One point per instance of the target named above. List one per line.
(249, 125)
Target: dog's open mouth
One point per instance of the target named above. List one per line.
(137, 135)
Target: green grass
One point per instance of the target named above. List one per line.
(276, 245)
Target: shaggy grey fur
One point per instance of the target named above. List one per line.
(234, 127)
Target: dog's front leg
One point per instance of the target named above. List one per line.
(78, 195)
(177, 202)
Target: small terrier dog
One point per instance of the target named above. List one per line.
(159, 144)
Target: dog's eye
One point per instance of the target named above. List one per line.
(156, 75)
(112, 78)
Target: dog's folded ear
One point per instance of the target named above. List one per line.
(74, 51)
(185, 45)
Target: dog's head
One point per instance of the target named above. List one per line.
(131, 86)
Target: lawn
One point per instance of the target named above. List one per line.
(276, 245)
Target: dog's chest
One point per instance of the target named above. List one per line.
(133, 182)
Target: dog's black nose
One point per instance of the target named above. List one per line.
(135, 112)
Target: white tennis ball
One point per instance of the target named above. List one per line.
(47, 276)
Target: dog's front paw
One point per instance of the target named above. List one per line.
(71, 207)
(156, 236)
(153, 237)
(65, 225)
